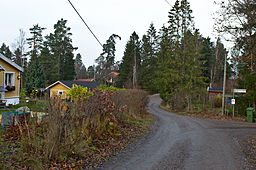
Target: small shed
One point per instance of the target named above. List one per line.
(61, 87)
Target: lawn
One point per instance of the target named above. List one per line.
(34, 105)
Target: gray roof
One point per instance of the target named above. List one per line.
(90, 85)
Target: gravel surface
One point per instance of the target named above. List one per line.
(181, 142)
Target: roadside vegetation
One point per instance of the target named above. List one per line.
(80, 134)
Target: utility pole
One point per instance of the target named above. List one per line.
(134, 81)
(224, 85)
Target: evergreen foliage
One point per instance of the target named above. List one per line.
(35, 77)
(149, 58)
(5, 50)
(132, 51)
(57, 54)
(106, 60)
(80, 68)
(35, 42)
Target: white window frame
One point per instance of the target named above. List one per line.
(2, 96)
(62, 91)
(13, 78)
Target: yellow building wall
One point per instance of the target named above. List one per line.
(54, 90)
(10, 68)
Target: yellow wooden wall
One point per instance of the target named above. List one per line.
(54, 90)
(10, 68)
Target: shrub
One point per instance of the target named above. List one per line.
(104, 87)
(71, 129)
(217, 102)
(78, 92)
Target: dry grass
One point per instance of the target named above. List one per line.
(70, 130)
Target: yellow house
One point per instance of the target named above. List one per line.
(10, 74)
(61, 87)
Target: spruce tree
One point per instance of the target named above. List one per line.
(35, 77)
(130, 62)
(149, 50)
(79, 67)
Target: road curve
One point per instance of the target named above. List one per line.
(180, 142)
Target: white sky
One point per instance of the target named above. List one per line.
(105, 17)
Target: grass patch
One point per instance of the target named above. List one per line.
(33, 105)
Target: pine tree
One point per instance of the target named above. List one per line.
(57, 53)
(106, 60)
(35, 42)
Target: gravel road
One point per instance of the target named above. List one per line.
(180, 142)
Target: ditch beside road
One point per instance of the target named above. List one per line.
(181, 142)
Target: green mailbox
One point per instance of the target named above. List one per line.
(250, 114)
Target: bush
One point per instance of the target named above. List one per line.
(104, 87)
(70, 129)
(79, 92)
(217, 102)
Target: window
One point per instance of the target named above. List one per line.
(60, 92)
(9, 79)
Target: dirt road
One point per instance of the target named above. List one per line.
(180, 142)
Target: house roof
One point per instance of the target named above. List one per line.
(214, 90)
(69, 84)
(11, 62)
(114, 74)
(84, 80)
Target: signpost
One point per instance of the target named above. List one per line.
(233, 100)
(239, 91)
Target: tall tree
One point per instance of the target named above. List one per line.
(35, 42)
(106, 60)
(130, 63)
(180, 64)
(57, 53)
(237, 19)
(35, 77)
(149, 50)
(91, 72)
(79, 67)
(19, 50)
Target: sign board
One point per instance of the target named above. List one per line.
(239, 90)
(233, 101)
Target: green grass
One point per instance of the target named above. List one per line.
(38, 106)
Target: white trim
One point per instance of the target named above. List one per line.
(13, 79)
(11, 62)
(19, 87)
(60, 91)
(1, 67)
(55, 84)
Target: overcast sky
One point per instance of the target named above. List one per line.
(105, 17)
